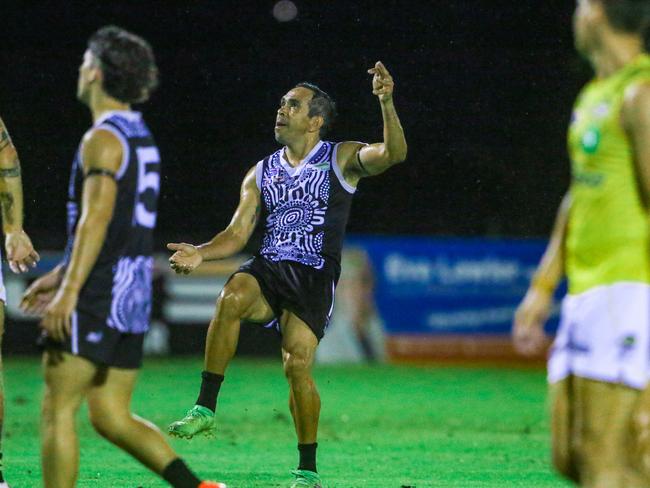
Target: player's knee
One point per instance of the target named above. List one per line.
(297, 364)
(48, 411)
(106, 424)
(54, 411)
(232, 301)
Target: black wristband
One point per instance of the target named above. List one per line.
(363, 168)
(100, 172)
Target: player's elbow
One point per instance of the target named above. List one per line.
(398, 156)
(8, 157)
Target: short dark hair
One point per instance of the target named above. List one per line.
(320, 104)
(632, 16)
(127, 63)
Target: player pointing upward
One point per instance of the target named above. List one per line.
(302, 193)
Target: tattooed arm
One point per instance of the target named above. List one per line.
(20, 251)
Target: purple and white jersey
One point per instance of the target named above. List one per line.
(119, 288)
(305, 208)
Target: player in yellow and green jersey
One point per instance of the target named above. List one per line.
(599, 364)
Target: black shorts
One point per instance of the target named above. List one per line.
(287, 285)
(91, 338)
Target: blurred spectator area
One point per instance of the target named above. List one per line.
(407, 298)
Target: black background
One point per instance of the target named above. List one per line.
(484, 90)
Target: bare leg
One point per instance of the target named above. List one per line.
(2, 387)
(562, 438)
(241, 299)
(640, 448)
(298, 349)
(67, 378)
(109, 408)
(603, 415)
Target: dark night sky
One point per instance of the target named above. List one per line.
(484, 90)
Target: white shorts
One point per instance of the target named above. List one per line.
(604, 335)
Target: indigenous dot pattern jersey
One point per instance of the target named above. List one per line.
(305, 208)
(608, 236)
(118, 290)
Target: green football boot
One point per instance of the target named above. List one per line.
(306, 479)
(197, 421)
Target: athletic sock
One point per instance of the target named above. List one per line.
(307, 456)
(210, 385)
(179, 475)
(2, 478)
(367, 349)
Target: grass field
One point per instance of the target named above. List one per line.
(381, 426)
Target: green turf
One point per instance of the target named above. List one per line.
(381, 426)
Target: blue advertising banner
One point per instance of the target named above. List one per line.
(450, 286)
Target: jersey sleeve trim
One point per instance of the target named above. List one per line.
(339, 174)
(125, 149)
(259, 169)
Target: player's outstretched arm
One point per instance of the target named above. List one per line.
(101, 154)
(20, 251)
(359, 160)
(41, 292)
(230, 241)
(528, 328)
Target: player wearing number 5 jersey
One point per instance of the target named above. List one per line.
(96, 303)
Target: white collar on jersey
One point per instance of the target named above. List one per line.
(130, 115)
(294, 171)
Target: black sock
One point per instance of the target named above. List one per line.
(2, 478)
(308, 456)
(210, 384)
(367, 349)
(179, 475)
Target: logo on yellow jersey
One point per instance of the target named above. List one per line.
(590, 140)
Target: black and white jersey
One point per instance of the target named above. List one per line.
(306, 208)
(118, 289)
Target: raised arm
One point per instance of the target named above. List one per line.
(101, 157)
(358, 160)
(532, 313)
(228, 242)
(20, 251)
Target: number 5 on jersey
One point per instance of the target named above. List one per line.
(148, 185)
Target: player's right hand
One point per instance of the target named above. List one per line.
(382, 82)
(186, 258)
(40, 293)
(528, 328)
(20, 252)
